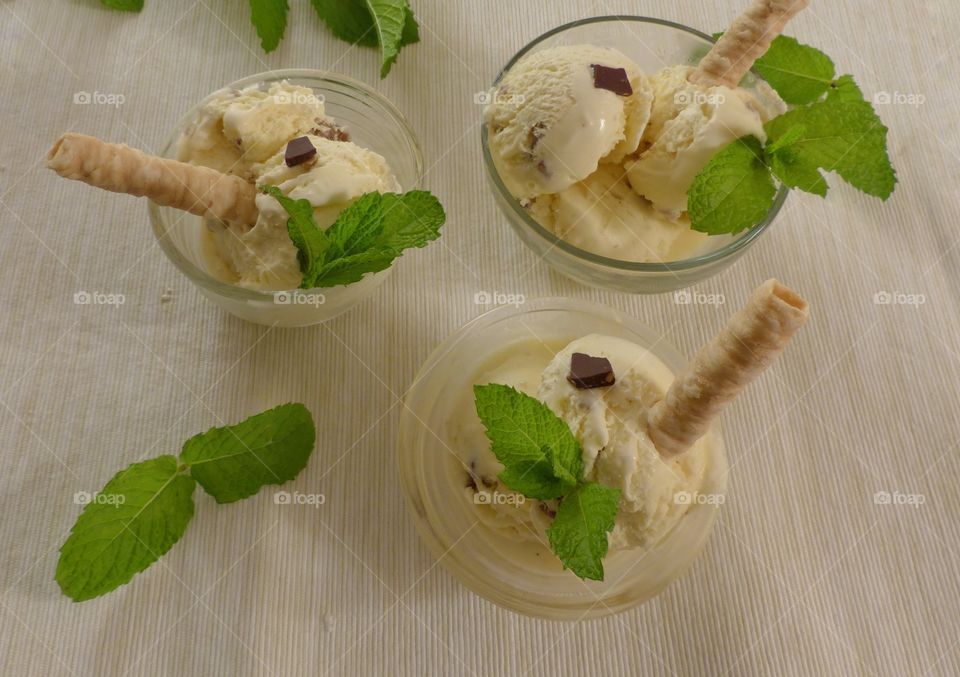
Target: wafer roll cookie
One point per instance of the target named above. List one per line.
(751, 341)
(747, 39)
(121, 169)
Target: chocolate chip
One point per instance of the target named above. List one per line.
(612, 79)
(547, 510)
(590, 372)
(535, 134)
(329, 130)
(299, 150)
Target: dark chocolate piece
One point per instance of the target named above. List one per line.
(612, 79)
(590, 372)
(329, 130)
(299, 150)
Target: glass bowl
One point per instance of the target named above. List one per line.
(652, 44)
(480, 557)
(374, 123)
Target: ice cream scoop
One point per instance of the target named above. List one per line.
(560, 112)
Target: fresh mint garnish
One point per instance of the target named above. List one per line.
(734, 191)
(389, 24)
(234, 462)
(543, 460)
(140, 513)
(836, 130)
(269, 17)
(366, 237)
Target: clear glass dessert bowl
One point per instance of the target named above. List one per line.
(652, 44)
(373, 122)
(526, 578)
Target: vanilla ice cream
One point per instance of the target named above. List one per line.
(688, 125)
(246, 133)
(560, 112)
(602, 214)
(609, 423)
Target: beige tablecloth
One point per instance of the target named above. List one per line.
(806, 573)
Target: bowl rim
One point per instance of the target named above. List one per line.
(410, 420)
(157, 220)
(554, 240)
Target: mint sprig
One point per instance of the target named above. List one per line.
(366, 237)
(543, 460)
(387, 24)
(145, 509)
(835, 130)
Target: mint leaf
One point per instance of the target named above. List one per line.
(578, 534)
(311, 242)
(269, 17)
(146, 509)
(541, 457)
(790, 168)
(734, 191)
(124, 5)
(235, 461)
(387, 23)
(800, 74)
(366, 237)
(842, 134)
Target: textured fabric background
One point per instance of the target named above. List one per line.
(805, 573)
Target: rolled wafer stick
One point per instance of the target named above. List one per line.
(751, 341)
(747, 39)
(121, 169)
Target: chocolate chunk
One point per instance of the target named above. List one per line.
(590, 372)
(535, 134)
(299, 150)
(329, 130)
(612, 79)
